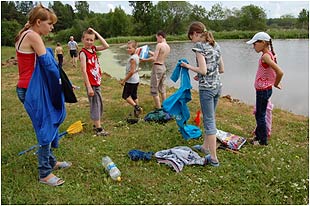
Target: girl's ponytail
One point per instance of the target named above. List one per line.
(26, 27)
(209, 37)
(272, 51)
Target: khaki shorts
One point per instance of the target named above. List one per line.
(158, 78)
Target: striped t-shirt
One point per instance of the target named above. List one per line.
(265, 75)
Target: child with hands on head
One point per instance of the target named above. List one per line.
(268, 74)
(91, 73)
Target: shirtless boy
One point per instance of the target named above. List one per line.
(158, 75)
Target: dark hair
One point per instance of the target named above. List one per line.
(161, 33)
(272, 51)
(38, 12)
(199, 27)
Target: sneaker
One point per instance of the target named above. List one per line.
(211, 162)
(137, 111)
(199, 148)
(101, 132)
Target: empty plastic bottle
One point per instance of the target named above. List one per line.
(111, 168)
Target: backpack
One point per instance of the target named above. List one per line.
(158, 116)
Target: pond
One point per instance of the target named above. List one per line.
(241, 63)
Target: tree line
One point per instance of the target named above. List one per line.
(146, 19)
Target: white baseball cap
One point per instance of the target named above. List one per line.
(259, 36)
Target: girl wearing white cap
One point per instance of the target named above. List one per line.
(269, 74)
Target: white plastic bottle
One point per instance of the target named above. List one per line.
(111, 168)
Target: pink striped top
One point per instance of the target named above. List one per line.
(265, 75)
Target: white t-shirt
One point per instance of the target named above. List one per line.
(72, 45)
(135, 77)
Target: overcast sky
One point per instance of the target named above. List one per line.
(273, 9)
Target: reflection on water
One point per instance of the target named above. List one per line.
(241, 62)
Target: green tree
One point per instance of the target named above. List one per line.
(252, 18)
(82, 8)
(9, 29)
(9, 12)
(143, 12)
(216, 15)
(303, 19)
(198, 13)
(64, 14)
(119, 22)
(173, 16)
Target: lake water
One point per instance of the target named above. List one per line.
(241, 62)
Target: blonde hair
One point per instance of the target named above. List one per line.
(38, 12)
(133, 43)
(199, 27)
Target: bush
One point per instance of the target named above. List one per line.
(9, 30)
(63, 36)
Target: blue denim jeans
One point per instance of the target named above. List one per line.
(208, 103)
(262, 98)
(21, 93)
(47, 160)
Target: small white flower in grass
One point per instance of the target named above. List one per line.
(272, 159)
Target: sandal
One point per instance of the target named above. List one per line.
(211, 162)
(62, 165)
(53, 181)
(199, 148)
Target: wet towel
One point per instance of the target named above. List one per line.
(176, 103)
(178, 157)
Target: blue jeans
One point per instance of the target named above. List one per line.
(208, 103)
(262, 98)
(47, 160)
(21, 93)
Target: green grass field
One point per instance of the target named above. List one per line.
(276, 174)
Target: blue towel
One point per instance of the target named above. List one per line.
(44, 101)
(176, 103)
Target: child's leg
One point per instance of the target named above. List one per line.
(45, 166)
(260, 115)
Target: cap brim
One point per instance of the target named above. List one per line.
(251, 41)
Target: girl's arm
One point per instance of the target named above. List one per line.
(90, 90)
(133, 65)
(201, 69)
(279, 73)
(104, 45)
(221, 68)
(37, 43)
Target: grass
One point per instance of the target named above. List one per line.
(276, 174)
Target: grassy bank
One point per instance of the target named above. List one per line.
(274, 33)
(276, 174)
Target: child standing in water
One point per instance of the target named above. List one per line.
(131, 80)
(269, 74)
(209, 66)
(92, 76)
